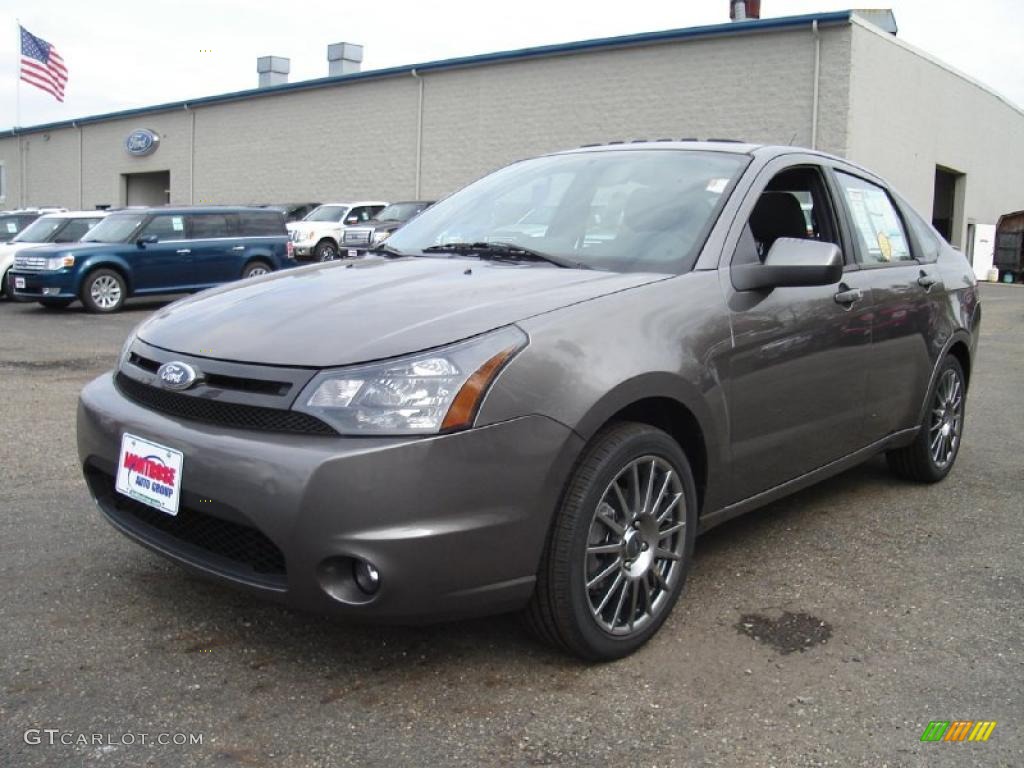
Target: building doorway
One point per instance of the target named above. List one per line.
(147, 188)
(948, 205)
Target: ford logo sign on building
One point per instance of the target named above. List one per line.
(177, 375)
(141, 142)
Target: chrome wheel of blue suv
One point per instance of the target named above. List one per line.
(103, 291)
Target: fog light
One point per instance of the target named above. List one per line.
(51, 291)
(367, 577)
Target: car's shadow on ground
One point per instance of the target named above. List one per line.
(226, 618)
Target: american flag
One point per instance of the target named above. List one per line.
(42, 66)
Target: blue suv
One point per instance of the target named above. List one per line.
(152, 251)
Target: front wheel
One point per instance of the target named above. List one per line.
(104, 291)
(325, 250)
(620, 546)
(932, 454)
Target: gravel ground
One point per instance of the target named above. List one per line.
(826, 629)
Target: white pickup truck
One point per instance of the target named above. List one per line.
(318, 236)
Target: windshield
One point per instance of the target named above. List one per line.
(326, 213)
(621, 211)
(400, 211)
(115, 229)
(39, 231)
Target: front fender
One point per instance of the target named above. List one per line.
(99, 260)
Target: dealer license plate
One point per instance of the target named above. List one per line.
(19, 282)
(352, 253)
(150, 473)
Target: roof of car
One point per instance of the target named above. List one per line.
(181, 210)
(351, 204)
(75, 215)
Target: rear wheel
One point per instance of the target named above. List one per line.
(55, 303)
(104, 291)
(325, 250)
(620, 546)
(932, 454)
(256, 268)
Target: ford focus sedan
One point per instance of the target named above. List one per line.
(542, 420)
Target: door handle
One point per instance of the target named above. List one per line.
(926, 280)
(238, 248)
(184, 251)
(849, 296)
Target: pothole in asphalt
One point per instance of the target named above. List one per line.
(790, 632)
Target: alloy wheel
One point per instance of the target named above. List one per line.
(946, 419)
(105, 292)
(635, 546)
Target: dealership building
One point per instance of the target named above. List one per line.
(840, 82)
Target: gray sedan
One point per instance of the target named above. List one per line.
(500, 419)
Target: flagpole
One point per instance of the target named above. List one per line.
(17, 117)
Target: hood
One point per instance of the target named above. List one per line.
(338, 314)
(54, 249)
(316, 225)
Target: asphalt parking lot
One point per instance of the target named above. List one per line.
(826, 629)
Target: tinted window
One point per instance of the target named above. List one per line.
(165, 227)
(12, 225)
(879, 228)
(925, 236)
(75, 230)
(207, 225)
(363, 213)
(39, 231)
(252, 224)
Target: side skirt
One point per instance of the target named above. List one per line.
(896, 439)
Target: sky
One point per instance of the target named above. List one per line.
(122, 55)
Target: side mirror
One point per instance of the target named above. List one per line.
(142, 242)
(792, 262)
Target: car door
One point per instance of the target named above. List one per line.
(796, 381)
(167, 263)
(216, 251)
(907, 289)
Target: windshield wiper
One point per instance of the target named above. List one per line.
(504, 252)
(385, 250)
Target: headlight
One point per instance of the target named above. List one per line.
(379, 237)
(122, 359)
(59, 262)
(427, 393)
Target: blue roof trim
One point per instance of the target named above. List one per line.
(711, 30)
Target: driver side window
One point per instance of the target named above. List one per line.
(793, 204)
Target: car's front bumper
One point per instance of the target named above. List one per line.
(455, 524)
(42, 285)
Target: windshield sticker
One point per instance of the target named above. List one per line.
(12, 227)
(177, 224)
(717, 186)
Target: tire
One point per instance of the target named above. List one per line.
(104, 291)
(584, 619)
(326, 250)
(55, 303)
(3, 285)
(924, 460)
(256, 268)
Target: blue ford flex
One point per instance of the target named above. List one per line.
(142, 251)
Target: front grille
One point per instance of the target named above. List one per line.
(217, 412)
(194, 534)
(34, 263)
(357, 236)
(222, 381)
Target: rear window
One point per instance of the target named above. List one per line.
(261, 224)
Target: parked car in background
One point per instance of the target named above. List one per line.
(544, 424)
(153, 251)
(358, 238)
(66, 227)
(12, 222)
(292, 211)
(318, 236)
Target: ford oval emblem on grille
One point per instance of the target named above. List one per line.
(175, 375)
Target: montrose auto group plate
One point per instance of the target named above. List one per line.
(150, 473)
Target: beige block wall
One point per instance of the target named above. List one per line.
(908, 113)
(358, 140)
(758, 88)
